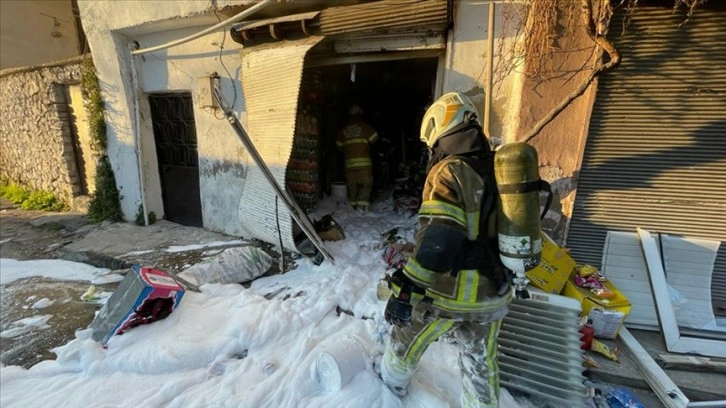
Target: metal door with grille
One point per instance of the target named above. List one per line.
(656, 150)
(176, 149)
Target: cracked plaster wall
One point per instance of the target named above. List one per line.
(561, 143)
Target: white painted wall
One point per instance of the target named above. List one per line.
(110, 28)
(222, 158)
(466, 62)
(33, 32)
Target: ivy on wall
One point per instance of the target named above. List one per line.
(105, 203)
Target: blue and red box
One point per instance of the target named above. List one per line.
(145, 295)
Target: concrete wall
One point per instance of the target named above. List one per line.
(561, 143)
(466, 62)
(35, 131)
(110, 28)
(33, 32)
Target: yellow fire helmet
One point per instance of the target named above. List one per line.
(447, 113)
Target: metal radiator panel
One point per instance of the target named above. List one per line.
(539, 350)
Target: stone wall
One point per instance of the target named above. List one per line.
(36, 135)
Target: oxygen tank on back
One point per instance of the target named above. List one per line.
(518, 211)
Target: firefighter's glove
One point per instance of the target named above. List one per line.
(405, 295)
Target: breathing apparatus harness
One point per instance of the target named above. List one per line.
(483, 253)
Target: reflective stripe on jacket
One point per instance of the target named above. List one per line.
(355, 139)
(449, 216)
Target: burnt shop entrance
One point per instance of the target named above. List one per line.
(393, 95)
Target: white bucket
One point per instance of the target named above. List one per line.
(339, 362)
(338, 190)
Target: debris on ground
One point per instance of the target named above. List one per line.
(328, 229)
(233, 265)
(144, 296)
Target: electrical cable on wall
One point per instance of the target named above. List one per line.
(221, 61)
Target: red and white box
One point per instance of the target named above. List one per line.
(144, 296)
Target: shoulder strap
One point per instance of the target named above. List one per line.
(484, 167)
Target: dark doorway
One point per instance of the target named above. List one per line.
(393, 95)
(175, 135)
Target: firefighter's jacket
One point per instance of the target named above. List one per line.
(449, 223)
(355, 139)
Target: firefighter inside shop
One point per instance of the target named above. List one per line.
(355, 140)
(455, 280)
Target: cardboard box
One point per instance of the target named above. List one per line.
(144, 295)
(607, 315)
(554, 268)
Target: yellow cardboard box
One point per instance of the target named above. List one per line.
(554, 268)
(607, 315)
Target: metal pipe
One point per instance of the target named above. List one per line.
(237, 17)
(135, 89)
(490, 70)
(448, 59)
(707, 404)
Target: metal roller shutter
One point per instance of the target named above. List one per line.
(271, 76)
(656, 150)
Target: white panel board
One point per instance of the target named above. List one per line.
(688, 264)
(669, 325)
(623, 264)
(688, 267)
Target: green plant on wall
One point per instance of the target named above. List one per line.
(139, 220)
(94, 104)
(105, 203)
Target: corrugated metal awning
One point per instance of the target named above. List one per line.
(425, 17)
(656, 151)
(271, 76)
(385, 15)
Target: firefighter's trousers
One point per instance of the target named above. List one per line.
(360, 183)
(477, 343)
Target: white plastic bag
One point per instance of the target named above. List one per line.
(234, 265)
(677, 300)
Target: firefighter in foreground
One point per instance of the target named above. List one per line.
(455, 281)
(355, 140)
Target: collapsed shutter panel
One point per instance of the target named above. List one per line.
(271, 75)
(656, 150)
(385, 15)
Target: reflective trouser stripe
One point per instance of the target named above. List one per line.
(492, 361)
(423, 339)
(476, 394)
(477, 344)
